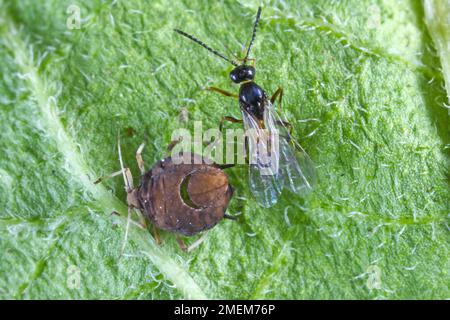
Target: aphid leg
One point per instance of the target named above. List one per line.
(142, 223)
(125, 238)
(197, 242)
(128, 180)
(127, 228)
(127, 177)
(181, 243)
(230, 119)
(278, 94)
(156, 235)
(227, 216)
(286, 124)
(223, 92)
(112, 175)
(139, 160)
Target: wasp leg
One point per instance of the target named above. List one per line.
(253, 61)
(139, 159)
(278, 94)
(109, 176)
(197, 242)
(181, 243)
(142, 223)
(223, 92)
(230, 119)
(286, 124)
(247, 150)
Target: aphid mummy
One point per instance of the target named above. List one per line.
(184, 199)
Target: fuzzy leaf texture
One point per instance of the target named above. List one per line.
(364, 88)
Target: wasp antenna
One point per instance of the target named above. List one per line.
(258, 15)
(204, 45)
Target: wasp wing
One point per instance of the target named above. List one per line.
(295, 165)
(265, 181)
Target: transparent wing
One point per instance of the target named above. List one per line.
(265, 181)
(296, 167)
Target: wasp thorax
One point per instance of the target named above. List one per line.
(242, 73)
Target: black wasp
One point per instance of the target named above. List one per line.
(267, 133)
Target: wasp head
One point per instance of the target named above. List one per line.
(242, 73)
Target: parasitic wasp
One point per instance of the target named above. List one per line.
(285, 164)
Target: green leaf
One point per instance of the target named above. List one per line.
(364, 91)
(437, 20)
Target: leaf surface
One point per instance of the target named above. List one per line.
(363, 88)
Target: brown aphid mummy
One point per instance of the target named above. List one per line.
(206, 189)
(185, 198)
